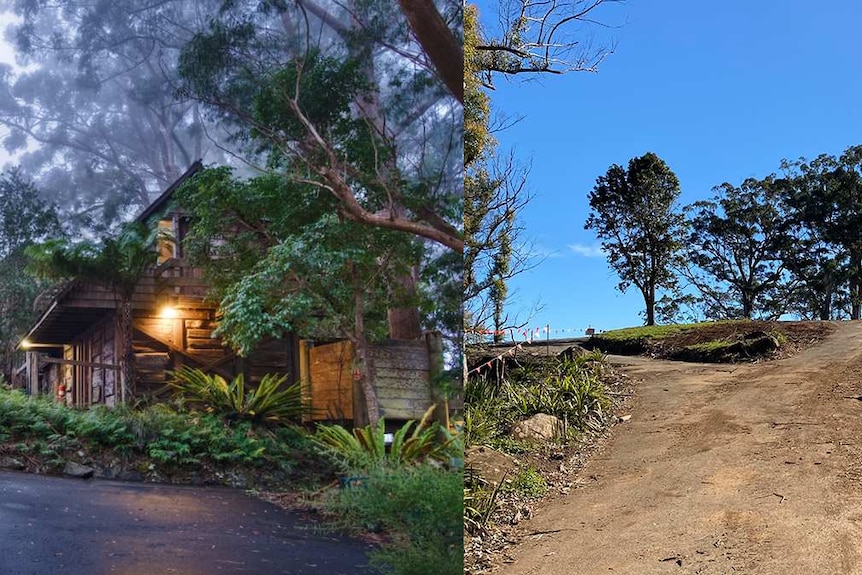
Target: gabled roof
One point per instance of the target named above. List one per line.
(161, 202)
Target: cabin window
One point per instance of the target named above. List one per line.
(166, 240)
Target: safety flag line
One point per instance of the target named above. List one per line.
(498, 358)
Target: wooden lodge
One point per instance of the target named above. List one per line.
(73, 348)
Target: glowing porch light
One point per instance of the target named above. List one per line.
(169, 312)
(26, 344)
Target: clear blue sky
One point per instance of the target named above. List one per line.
(720, 91)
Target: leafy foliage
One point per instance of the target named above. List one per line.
(25, 218)
(737, 248)
(269, 402)
(826, 196)
(341, 115)
(633, 212)
(365, 448)
(280, 260)
(161, 437)
(570, 390)
(420, 507)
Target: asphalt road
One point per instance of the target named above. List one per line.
(57, 525)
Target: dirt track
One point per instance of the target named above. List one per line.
(753, 469)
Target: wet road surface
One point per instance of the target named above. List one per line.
(58, 525)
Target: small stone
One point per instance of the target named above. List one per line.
(73, 469)
(11, 463)
(625, 418)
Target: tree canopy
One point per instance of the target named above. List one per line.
(736, 249)
(634, 213)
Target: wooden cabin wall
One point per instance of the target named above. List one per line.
(277, 356)
(402, 378)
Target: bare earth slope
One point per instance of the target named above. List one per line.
(752, 469)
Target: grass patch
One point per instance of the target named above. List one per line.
(709, 347)
(647, 332)
(420, 507)
(569, 389)
(529, 483)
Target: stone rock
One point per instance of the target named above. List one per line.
(11, 463)
(130, 475)
(538, 429)
(73, 469)
(490, 464)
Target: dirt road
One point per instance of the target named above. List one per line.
(753, 469)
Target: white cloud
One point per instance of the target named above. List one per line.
(587, 251)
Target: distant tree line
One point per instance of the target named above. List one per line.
(785, 244)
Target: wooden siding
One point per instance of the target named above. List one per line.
(402, 378)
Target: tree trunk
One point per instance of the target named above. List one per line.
(826, 304)
(364, 367)
(404, 321)
(127, 360)
(649, 302)
(855, 285)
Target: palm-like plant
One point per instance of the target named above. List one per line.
(366, 447)
(270, 402)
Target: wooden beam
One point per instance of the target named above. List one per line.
(199, 361)
(79, 363)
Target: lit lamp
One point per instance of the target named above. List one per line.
(168, 312)
(169, 309)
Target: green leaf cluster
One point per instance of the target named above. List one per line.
(366, 448)
(269, 402)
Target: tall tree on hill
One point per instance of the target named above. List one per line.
(634, 213)
(736, 251)
(826, 194)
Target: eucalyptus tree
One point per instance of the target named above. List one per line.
(737, 251)
(288, 73)
(537, 37)
(116, 262)
(826, 194)
(342, 98)
(94, 112)
(634, 212)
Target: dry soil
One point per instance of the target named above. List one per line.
(753, 468)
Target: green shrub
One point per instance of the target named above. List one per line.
(365, 447)
(269, 402)
(529, 483)
(420, 507)
(50, 433)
